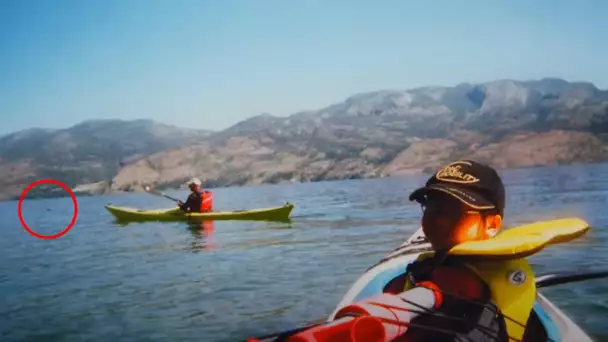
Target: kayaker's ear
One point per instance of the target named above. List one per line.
(493, 225)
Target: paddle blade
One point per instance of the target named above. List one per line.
(524, 240)
(551, 279)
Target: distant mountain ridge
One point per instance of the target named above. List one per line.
(87, 152)
(506, 123)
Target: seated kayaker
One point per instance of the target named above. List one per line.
(199, 200)
(465, 201)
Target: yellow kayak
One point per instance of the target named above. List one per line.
(124, 214)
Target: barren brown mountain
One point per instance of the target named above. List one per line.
(505, 123)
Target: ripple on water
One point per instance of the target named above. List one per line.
(171, 281)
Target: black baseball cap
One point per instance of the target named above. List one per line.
(476, 185)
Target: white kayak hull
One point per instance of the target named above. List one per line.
(557, 325)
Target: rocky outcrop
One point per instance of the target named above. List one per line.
(421, 155)
(98, 188)
(539, 149)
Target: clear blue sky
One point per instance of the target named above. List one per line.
(209, 64)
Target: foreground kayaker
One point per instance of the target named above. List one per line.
(367, 312)
(456, 278)
(199, 200)
(465, 201)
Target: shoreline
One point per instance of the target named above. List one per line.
(63, 194)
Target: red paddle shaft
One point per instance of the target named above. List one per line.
(378, 319)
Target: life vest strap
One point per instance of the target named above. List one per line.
(490, 326)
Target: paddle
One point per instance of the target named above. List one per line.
(551, 279)
(151, 191)
(543, 280)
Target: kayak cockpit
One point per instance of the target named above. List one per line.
(535, 329)
(390, 275)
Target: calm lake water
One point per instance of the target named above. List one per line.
(169, 282)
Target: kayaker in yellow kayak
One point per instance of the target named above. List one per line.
(465, 201)
(199, 200)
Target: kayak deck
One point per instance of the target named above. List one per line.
(125, 214)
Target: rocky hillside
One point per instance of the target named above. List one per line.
(88, 152)
(505, 123)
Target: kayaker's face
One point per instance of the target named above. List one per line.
(193, 187)
(447, 222)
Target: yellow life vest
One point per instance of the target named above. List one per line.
(500, 263)
(512, 288)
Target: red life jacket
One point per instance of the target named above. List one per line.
(206, 201)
